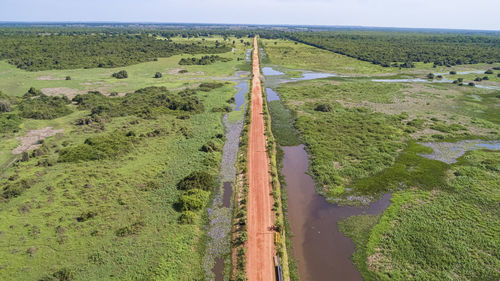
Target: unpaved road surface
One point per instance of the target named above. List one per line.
(260, 217)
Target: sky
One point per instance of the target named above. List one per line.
(456, 14)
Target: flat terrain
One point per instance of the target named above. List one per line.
(117, 215)
(260, 245)
(363, 141)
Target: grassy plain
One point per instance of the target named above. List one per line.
(289, 55)
(116, 218)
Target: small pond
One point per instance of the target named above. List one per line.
(449, 152)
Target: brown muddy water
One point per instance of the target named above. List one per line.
(321, 251)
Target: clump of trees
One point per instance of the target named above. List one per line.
(204, 60)
(122, 74)
(103, 146)
(208, 86)
(197, 180)
(37, 105)
(145, 103)
(197, 187)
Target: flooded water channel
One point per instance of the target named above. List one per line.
(321, 251)
(220, 210)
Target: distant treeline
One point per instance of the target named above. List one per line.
(34, 52)
(55, 47)
(404, 48)
(205, 60)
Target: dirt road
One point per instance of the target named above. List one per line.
(260, 217)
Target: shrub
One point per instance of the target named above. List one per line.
(158, 75)
(86, 216)
(9, 123)
(197, 180)
(37, 105)
(430, 76)
(98, 147)
(187, 217)
(208, 86)
(453, 72)
(122, 74)
(68, 77)
(210, 147)
(489, 71)
(225, 108)
(193, 200)
(130, 230)
(323, 107)
(204, 60)
(5, 106)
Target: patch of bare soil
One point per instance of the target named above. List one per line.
(48, 77)
(62, 91)
(32, 139)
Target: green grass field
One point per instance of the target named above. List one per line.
(116, 218)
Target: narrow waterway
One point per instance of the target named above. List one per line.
(321, 251)
(220, 209)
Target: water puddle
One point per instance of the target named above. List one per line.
(239, 98)
(322, 252)
(448, 152)
(271, 95)
(442, 80)
(475, 97)
(413, 80)
(269, 71)
(228, 192)
(309, 75)
(463, 72)
(219, 269)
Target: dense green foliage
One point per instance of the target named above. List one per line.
(37, 105)
(445, 234)
(147, 103)
(33, 51)
(98, 147)
(282, 121)
(122, 74)
(402, 49)
(204, 60)
(197, 180)
(410, 169)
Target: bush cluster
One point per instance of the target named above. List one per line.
(204, 60)
(37, 105)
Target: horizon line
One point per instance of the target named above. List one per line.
(242, 24)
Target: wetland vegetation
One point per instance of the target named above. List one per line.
(365, 138)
